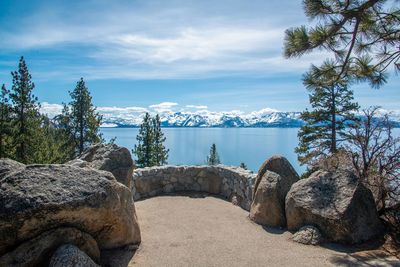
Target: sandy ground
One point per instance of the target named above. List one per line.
(207, 231)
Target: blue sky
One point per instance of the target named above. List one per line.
(225, 55)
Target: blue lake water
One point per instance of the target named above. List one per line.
(234, 145)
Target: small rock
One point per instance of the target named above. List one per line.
(71, 256)
(308, 235)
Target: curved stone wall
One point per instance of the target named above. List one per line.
(233, 183)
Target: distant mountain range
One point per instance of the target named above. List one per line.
(263, 118)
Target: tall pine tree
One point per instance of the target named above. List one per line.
(84, 121)
(160, 152)
(144, 149)
(5, 123)
(26, 111)
(332, 108)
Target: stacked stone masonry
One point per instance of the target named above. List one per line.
(233, 183)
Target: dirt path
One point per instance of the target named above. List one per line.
(189, 231)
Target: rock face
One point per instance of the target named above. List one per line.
(8, 165)
(308, 235)
(37, 251)
(233, 183)
(337, 204)
(112, 158)
(36, 198)
(71, 256)
(274, 180)
(277, 164)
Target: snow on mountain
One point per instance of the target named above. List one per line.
(200, 116)
(205, 118)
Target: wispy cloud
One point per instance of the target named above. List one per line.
(163, 106)
(196, 106)
(184, 39)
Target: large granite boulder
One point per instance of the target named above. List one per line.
(8, 165)
(108, 157)
(71, 256)
(277, 164)
(37, 198)
(342, 209)
(268, 206)
(37, 251)
(273, 181)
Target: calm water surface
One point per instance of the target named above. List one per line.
(234, 145)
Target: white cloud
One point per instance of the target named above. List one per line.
(163, 106)
(197, 106)
(50, 110)
(181, 39)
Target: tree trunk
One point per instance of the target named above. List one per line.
(333, 113)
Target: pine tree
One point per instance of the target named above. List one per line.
(362, 35)
(243, 165)
(5, 124)
(160, 152)
(144, 149)
(332, 109)
(83, 120)
(213, 158)
(26, 111)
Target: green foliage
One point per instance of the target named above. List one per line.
(160, 152)
(213, 158)
(363, 36)
(150, 150)
(80, 119)
(332, 110)
(243, 165)
(25, 107)
(6, 149)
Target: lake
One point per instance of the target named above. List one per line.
(190, 146)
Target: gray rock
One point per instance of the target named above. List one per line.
(277, 164)
(342, 209)
(112, 158)
(308, 235)
(268, 206)
(8, 165)
(35, 252)
(71, 256)
(37, 198)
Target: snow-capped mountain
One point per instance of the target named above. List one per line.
(210, 119)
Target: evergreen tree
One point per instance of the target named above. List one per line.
(26, 112)
(243, 165)
(363, 36)
(144, 149)
(213, 158)
(53, 144)
(332, 109)
(160, 152)
(83, 120)
(5, 124)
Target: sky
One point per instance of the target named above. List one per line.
(165, 55)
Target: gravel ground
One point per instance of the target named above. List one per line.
(207, 231)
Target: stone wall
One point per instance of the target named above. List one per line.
(233, 183)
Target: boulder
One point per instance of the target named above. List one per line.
(71, 256)
(37, 251)
(37, 198)
(8, 165)
(110, 157)
(342, 209)
(308, 235)
(277, 164)
(268, 206)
